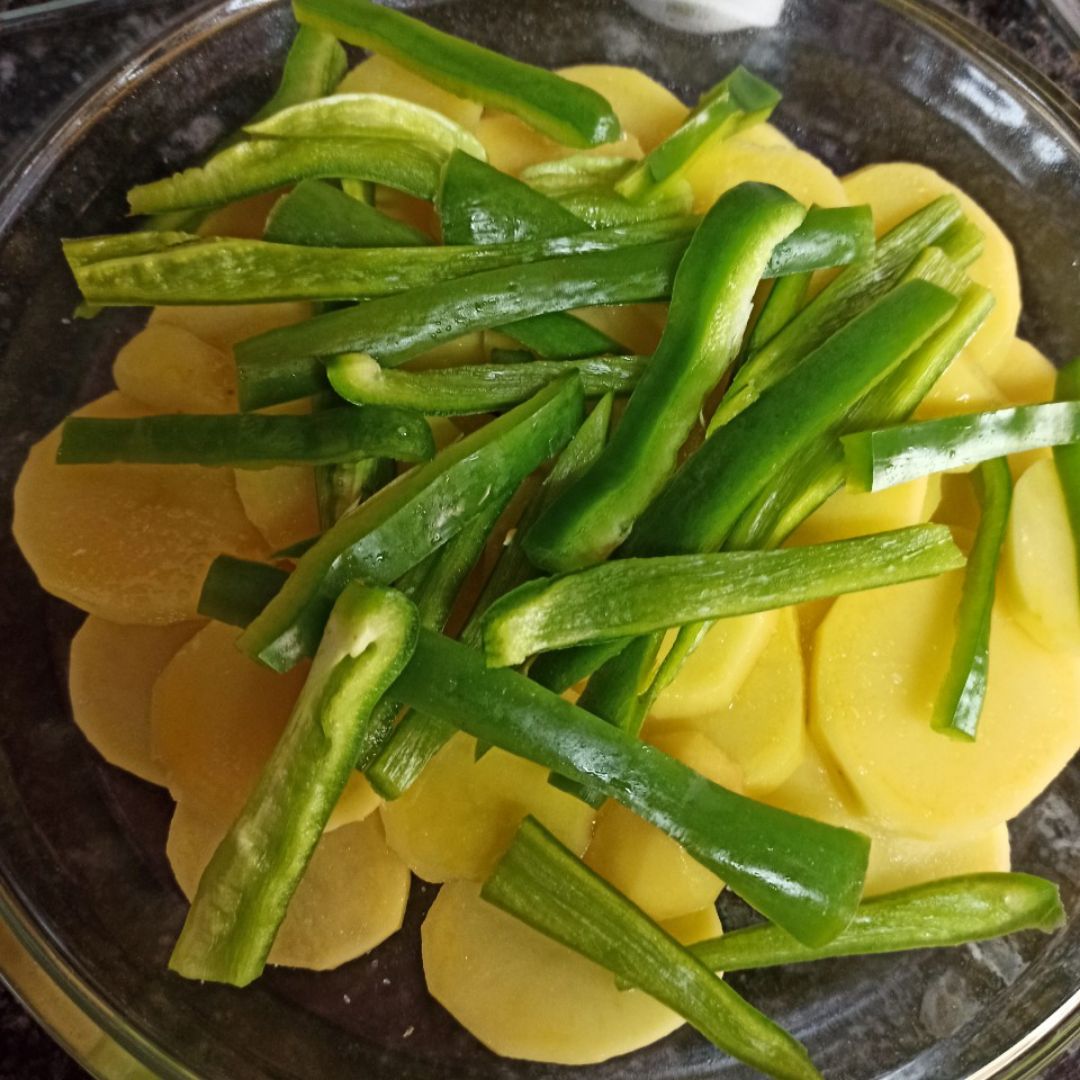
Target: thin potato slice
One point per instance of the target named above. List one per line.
(280, 503)
(631, 325)
(216, 716)
(111, 676)
(351, 898)
(461, 815)
(526, 996)
(963, 388)
(225, 325)
(129, 543)
(900, 188)
(245, 218)
(879, 661)
(1025, 376)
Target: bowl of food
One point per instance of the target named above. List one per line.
(400, 403)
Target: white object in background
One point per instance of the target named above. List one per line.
(711, 16)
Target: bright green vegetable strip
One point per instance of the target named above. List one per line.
(701, 504)
(474, 388)
(953, 911)
(540, 882)
(249, 168)
(419, 736)
(960, 700)
(963, 242)
(83, 251)
(711, 301)
(559, 335)
(783, 303)
(851, 292)
(1067, 458)
(576, 174)
(605, 209)
(361, 116)
(881, 459)
(737, 102)
(569, 113)
(254, 441)
(316, 214)
(628, 597)
(408, 519)
(802, 874)
(338, 488)
(236, 590)
(245, 890)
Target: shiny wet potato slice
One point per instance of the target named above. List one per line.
(280, 503)
(226, 325)
(129, 543)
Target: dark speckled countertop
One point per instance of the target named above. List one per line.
(40, 69)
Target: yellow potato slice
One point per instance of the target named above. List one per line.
(419, 213)
(169, 369)
(767, 135)
(632, 325)
(215, 718)
(1039, 561)
(900, 188)
(958, 506)
(245, 218)
(512, 145)
(351, 898)
(644, 863)
(467, 349)
(645, 108)
(111, 676)
(461, 815)
(224, 326)
(879, 661)
(526, 996)
(129, 543)
(715, 670)
(963, 388)
(1025, 376)
(280, 503)
(751, 157)
(378, 75)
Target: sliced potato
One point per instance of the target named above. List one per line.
(715, 670)
(879, 661)
(645, 108)
(351, 898)
(461, 815)
(644, 863)
(1039, 561)
(631, 325)
(280, 503)
(216, 716)
(419, 213)
(512, 145)
(378, 75)
(898, 189)
(225, 325)
(111, 676)
(129, 543)
(245, 218)
(959, 506)
(1025, 376)
(526, 996)
(467, 349)
(963, 388)
(170, 369)
(767, 135)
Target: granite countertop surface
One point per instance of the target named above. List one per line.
(41, 68)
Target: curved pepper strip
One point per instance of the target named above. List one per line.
(1067, 458)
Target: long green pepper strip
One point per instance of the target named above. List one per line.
(541, 883)
(783, 303)
(960, 700)
(569, 113)
(711, 301)
(1067, 458)
(245, 890)
(801, 874)
(953, 911)
(410, 518)
(254, 441)
(235, 591)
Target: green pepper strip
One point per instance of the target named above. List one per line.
(254, 441)
(419, 736)
(1067, 458)
(408, 519)
(235, 590)
(960, 700)
(850, 293)
(784, 302)
(541, 883)
(737, 102)
(245, 890)
(881, 459)
(474, 388)
(576, 174)
(629, 597)
(711, 301)
(569, 113)
(953, 911)
(802, 874)
(604, 209)
(315, 214)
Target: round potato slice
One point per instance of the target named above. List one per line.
(962, 388)
(526, 996)
(879, 661)
(245, 218)
(898, 189)
(225, 325)
(632, 325)
(280, 503)
(351, 898)
(169, 369)
(216, 716)
(129, 543)
(461, 815)
(111, 676)
(1025, 376)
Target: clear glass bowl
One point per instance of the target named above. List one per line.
(83, 880)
